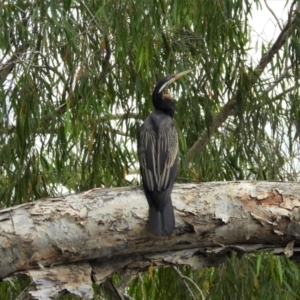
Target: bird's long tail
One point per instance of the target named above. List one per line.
(162, 222)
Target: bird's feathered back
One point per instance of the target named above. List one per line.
(158, 144)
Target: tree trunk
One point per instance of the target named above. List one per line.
(105, 230)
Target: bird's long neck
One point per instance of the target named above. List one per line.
(167, 106)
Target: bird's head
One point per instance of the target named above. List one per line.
(161, 100)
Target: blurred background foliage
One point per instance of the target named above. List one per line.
(76, 79)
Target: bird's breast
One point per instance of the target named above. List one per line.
(159, 120)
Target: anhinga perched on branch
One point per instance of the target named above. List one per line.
(157, 151)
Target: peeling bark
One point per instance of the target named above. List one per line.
(106, 231)
(48, 283)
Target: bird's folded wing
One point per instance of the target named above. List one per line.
(158, 158)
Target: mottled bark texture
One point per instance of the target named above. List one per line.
(105, 230)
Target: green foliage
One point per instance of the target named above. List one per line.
(81, 81)
(254, 276)
(11, 288)
(161, 285)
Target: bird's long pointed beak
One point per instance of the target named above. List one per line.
(174, 78)
(179, 75)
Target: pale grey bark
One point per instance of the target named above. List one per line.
(110, 226)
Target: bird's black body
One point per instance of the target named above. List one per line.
(158, 146)
(157, 151)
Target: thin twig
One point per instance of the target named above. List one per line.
(279, 96)
(91, 15)
(284, 75)
(7, 67)
(185, 278)
(274, 15)
(105, 62)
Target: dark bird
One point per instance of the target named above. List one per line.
(157, 151)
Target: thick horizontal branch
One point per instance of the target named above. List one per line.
(105, 231)
(104, 223)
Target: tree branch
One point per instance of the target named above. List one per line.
(230, 106)
(7, 67)
(274, 15)
(285, 74)
(105, 62)
(105, 231)
(185, 279)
